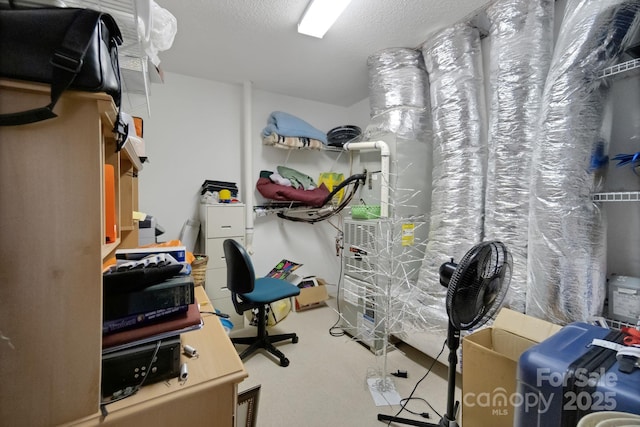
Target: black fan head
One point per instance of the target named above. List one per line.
(479, 285)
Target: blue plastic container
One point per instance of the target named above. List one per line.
(564, 378)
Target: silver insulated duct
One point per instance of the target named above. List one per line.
(567, 245)
(521, 34)
(454, 64)
(398, 88)
(397, 78)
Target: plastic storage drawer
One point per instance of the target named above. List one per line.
(564, 378)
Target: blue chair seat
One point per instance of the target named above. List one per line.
(268, 289)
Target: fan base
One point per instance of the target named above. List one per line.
(444, 421)
(449, 419)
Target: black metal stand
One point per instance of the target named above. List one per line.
(449, 419)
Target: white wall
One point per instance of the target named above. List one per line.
(195, 133)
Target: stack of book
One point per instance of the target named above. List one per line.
(147, 302)
(148, 314)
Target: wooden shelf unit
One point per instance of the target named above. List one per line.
(51, 254)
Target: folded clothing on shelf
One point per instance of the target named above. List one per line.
(291, 142)
(286, 124)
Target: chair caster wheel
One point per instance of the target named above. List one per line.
(284, 362)
(294, 340)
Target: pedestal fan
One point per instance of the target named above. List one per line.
(476, 288)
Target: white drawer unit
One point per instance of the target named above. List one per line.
(224, 220)
(218, 223)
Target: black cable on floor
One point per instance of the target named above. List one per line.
(403, 407)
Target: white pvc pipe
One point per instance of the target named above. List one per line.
(384, 168)
(248, 167)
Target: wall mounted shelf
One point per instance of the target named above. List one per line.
(619, 196)
(627, 68)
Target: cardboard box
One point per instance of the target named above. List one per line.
(489, 363)
(311, 296)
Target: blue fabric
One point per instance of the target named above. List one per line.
(285, 124)
(268, 289)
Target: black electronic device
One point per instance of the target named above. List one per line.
(340, 135)
(131, 366)
(212, 185)
(476, 288)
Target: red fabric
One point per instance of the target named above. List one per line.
(282, 193)
(632, 335)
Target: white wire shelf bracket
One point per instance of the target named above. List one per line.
(619, 196)
(619, 324)
(624, 67)
(333, 148)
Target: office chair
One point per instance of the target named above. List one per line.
(247, 293)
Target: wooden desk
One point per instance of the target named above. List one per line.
(207, 398)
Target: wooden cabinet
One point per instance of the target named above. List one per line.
(218, 223)
(126, 165)
(51, 252)
(52, 246)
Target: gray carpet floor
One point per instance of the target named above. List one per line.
(326, 381)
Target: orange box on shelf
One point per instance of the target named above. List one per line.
(110, 228)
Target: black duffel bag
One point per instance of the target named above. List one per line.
(68, 48)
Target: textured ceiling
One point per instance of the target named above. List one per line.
(256, 40)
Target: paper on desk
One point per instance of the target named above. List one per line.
(387, 396)
(140, 216)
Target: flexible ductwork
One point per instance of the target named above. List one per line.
(567, 245)
(397, 78)
(521, 34)
(454, 64)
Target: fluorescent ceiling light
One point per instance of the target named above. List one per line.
(320, 16)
